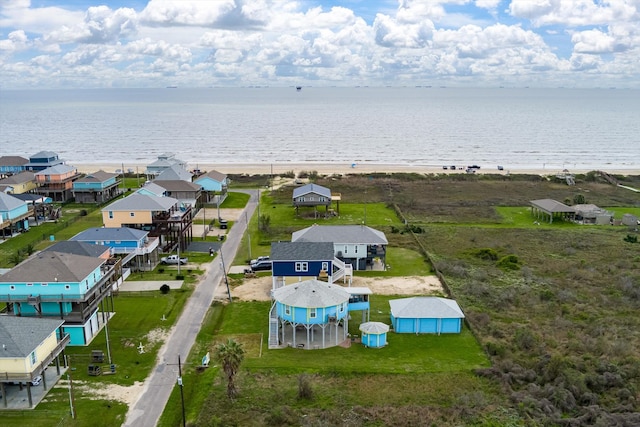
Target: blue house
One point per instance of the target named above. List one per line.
(98, 187)
(310, 314)
(139, 252)
(14, 214)
(426, 315)
(296, 261)
(11, 165)
(215, 185)
(65, 286)
(43, 160)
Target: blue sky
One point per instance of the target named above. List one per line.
(202, 43)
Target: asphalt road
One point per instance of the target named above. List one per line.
(146, 411)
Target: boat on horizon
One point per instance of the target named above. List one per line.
(298, 88)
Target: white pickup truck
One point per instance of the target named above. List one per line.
(173, 259)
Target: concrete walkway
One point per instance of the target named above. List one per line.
(146, 411)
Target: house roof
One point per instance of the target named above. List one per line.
(176, 184)
(353, 234)
(311, 188)
(425, 307)
(47, 266)
(9, 203)
(20, 336)
(13, 161)
(215, 175)
(301, 251)
(57, 169)
(78, 248)
(110, 233)
(44, 155)
(174, 172)
(30, 197)
(99, 176)
(551, 206)
(374, 328)
(152, 188)
(142, 202)
(311, 294)
(19, 178)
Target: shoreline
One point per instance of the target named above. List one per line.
(343, 168)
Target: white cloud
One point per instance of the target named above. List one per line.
(575, 12)
(17, 40)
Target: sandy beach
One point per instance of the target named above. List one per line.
(342, 168)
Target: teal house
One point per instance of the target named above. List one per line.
(426, 315)
(96, 188)
(309, 315)
(14, 214)
(66, 286)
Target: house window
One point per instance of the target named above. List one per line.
(132, 214)
(110, 214)
(313, 313)
(342, 308)
(287, 310)
(67, 286)
(356, 249)
(44, 284)
(33, 357)
(302, 266)
(12, 287)
(322, 199)
(29, 284)
(345, 249)
(325, 266)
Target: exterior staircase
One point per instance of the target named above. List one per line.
(273, 327)
(342, 270)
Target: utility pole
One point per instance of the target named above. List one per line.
(246, 219)
(224, 271)
(184, 417)
(71, 397)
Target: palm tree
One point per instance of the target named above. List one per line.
(230, 356)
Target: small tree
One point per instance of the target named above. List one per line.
(230, 356)
(579, 199)
(264, 221)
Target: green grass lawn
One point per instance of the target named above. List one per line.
(235, 200)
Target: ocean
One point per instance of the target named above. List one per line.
(432, 126)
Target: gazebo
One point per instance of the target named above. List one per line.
(543, 208)
(309, 315)
(374, 334)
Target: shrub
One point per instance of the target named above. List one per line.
(164, 289)
(179, 276)
(161, 270)
(486, 254)
(631, 238)
(509, 262)
(304, 387)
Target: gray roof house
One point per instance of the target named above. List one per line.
(185, 191)
(420, 315)
(549, 208)
(174, 172)
(164, 161)
(29, 346)
(80, 248)
(311, 195)
(359, 245)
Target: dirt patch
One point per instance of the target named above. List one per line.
(127, 395)
(259, 289)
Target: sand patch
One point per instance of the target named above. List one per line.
(125, 394)
(259, 289)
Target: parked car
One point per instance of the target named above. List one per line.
(223, 223)
(260, 258)
(173, 259)
(261, 265)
